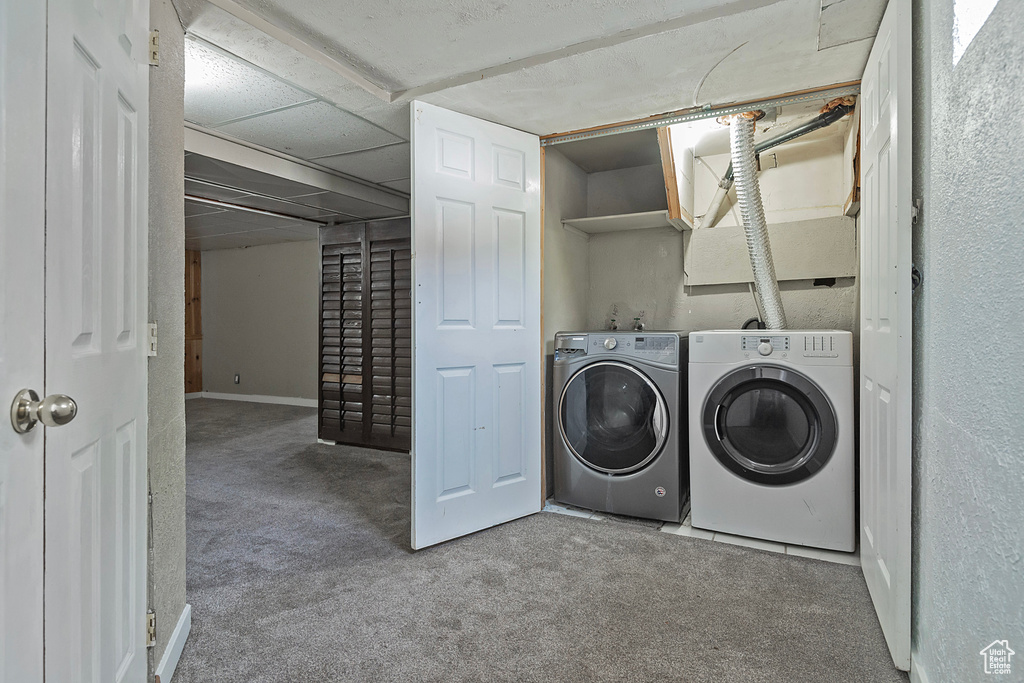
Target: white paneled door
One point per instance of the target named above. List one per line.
(885, 381)
(477, 336)
(75, 143)
(22, 212)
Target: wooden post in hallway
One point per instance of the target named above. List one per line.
(193, 322)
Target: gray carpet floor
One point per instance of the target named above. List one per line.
(299, 569)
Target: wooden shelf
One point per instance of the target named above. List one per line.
(626, 221)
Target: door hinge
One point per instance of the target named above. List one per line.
(916, 278)
(150, 628)
(151, 339)
(915, 210)
(154, 48)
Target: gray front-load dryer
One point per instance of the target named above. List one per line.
(620, 422)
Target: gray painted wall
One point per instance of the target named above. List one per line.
(260, 311)
(167, 309)
(566, 269)
(625, 190)
(968, 398)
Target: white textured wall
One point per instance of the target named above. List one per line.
(166, 444)
(968, 396)
(260, 320)
(642, 270)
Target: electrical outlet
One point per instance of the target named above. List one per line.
(238, 380)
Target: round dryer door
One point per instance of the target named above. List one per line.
(612, 417)
(769, 425)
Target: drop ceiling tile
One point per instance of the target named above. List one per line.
(376, 165)
(404, 185)
(348, 205)
(214, 229)
(293, 207)
(310, 130)
(199, 209)
(248, 239)
(209, 220)
(221, 88)
(218, 27)
(200, 189)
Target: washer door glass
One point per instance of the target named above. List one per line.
(612, 417)
(769, 425)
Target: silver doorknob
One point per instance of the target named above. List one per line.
(53, 411)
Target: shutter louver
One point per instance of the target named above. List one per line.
(366, 334)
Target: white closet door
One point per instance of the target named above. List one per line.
(97, 169)
(477, 336)
(885, 381)
(22, 215)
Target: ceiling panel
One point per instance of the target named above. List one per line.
(310, 131)
(250, 239)
(845, 22)
(756, 48)
(256, 47)
(198, 209)
(404, 185)
(760, 53)
(408, 44)
(219, 88)
(376, 165)
(293, 208)
(197, 188)
(348, 205)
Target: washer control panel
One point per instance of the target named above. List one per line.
(655, 347)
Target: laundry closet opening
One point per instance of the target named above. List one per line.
(629, 241)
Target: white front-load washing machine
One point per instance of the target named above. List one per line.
(771, 435)
(620, 422)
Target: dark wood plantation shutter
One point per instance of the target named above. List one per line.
(366, 334)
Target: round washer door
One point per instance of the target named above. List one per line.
(612, 417)
(770, 425)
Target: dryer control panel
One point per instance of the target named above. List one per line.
(765, 345)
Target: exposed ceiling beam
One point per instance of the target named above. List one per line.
(207, 144)
(317, 54)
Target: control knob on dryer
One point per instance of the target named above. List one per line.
(765, 348)
(610, 343)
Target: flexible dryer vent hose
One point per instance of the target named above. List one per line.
(741, 135)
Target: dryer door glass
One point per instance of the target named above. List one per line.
(613, 418)
(769, 425)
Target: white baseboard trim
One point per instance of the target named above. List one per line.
(169, 662)
(326, 442)
(259, 398)
(917, 672)
(193, 394)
